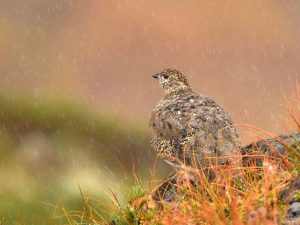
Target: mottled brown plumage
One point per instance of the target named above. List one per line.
(189, 128)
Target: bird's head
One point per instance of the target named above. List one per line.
(173, 82)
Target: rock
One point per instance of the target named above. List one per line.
(291, 196)
(294, 210)
(275, 147)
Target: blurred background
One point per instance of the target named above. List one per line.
(76, 89)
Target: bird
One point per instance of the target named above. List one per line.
(190, 129)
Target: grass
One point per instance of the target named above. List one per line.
(243, 195)
(238, 195)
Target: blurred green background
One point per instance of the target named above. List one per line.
(50, 149)
(76, 88)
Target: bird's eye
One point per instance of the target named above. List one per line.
(166, 76)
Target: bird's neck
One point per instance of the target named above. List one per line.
(177, 91)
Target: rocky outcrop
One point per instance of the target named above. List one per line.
(276, 147)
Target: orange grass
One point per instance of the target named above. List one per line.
(247, 195)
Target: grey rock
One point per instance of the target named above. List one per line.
(276, 147)
(294, 210)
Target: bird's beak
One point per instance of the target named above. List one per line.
(155, 76)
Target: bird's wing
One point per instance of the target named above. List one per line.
(165, 125)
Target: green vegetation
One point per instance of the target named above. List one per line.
(50, 147)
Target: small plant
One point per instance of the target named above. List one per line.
(128, 214)
(297, 196)
(136, 192)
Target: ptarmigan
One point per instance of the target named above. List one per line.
(191, 129)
